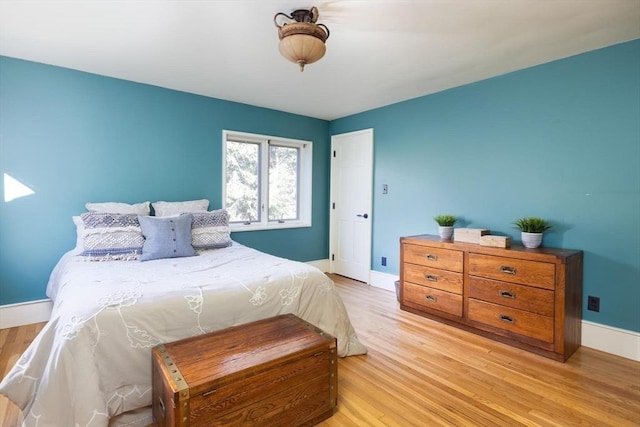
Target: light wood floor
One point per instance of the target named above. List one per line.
(421, 373)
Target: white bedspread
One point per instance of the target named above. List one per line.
(92, 360)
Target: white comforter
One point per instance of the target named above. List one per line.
(92, 360)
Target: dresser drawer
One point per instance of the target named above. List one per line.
(511, 319)
(433, 277)
(421, 297)
(525, 272)
(444, 259)
(536, 300)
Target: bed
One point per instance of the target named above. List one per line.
(91, 362)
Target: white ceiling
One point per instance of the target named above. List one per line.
(379, 52)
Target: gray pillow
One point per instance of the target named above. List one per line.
(167, 237)
(210, 230)
(109, 236)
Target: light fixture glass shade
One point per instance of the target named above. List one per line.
(302, 49)
(302, 41)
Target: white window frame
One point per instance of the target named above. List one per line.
(305, 172)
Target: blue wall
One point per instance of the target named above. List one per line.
(75, 137)
(560, 141)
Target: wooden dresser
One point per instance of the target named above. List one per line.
(528, 298)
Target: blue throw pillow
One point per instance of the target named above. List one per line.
(166, 237)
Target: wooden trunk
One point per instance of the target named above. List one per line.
(280, 371)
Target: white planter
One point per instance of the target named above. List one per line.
(531, 240)
(445, 232)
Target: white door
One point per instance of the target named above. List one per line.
(351, 195)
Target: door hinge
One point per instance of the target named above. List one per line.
(334, 153)
(333, 205)
(333, 257)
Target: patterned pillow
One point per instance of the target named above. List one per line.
(177, 208)
(166, 237)
(210, 230)
(109, 236)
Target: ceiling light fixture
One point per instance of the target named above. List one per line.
(302, 40)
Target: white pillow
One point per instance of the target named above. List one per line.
(79, 234)
(120, 208)
(177, 208)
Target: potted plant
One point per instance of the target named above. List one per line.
(445, 225)
(532, 228)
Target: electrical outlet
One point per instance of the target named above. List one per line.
(593, 303)
(385, 189)
(383, 261)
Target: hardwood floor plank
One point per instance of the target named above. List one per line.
(13, 342)
(420, 372)
(528, 389)
(9, 341)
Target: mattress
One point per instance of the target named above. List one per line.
(92, 361)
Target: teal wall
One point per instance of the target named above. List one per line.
(75, 137)
(560, 141)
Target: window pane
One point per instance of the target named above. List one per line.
(283, 183)
(243, 190)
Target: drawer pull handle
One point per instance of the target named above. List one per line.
(431, 277)
(506, 319)
(207, 393)
(431, 298)
(507, 294)
(507, 270)
(162, 409)
(431, 257)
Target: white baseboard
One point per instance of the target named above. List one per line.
(321, 264)
(383, 280)
(605, 338)
(25, 313)
(611, 340)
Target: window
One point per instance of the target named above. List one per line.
(266, 181)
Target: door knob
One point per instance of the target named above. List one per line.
(365, 216)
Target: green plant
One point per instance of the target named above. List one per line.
(532, 224)
(445, 220)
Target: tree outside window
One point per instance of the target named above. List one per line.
(267, 181)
